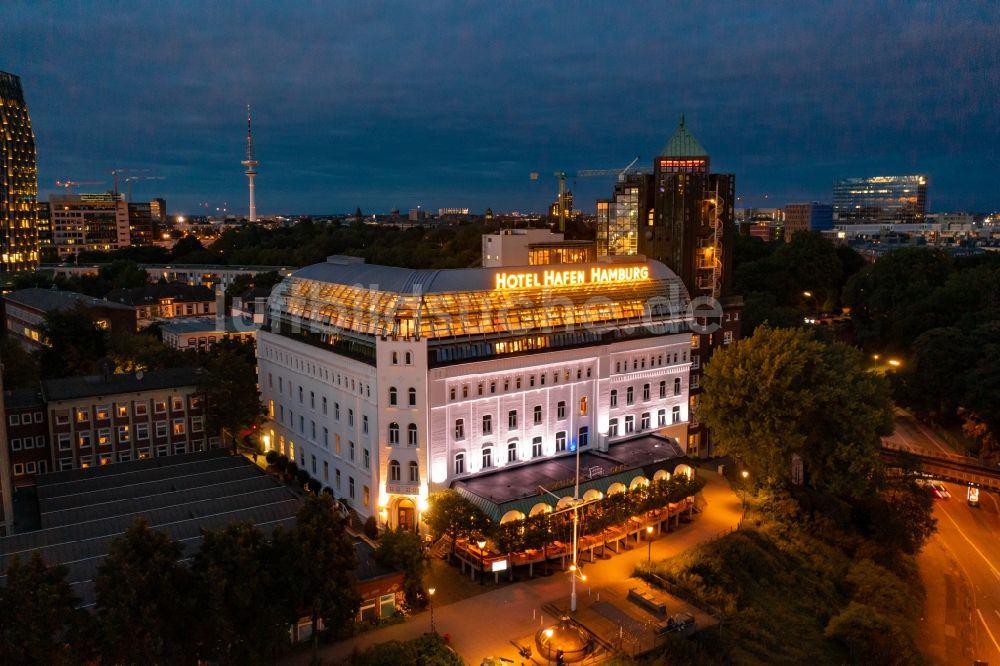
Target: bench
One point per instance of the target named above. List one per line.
(678, 622)
(647, 601)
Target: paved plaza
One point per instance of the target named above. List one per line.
(483, 620)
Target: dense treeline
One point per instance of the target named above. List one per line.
(938, 313)
(942, 315)
(782, 283)
(232, 603)
(310, 242)
(829, 551)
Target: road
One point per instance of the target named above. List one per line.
(960, 566)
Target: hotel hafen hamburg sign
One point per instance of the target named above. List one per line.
(567, 278)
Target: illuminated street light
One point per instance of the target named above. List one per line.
(430, 602)
(482, 561)
(894, 362)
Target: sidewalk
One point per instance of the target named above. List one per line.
(483, 625)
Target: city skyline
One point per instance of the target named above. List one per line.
(387, 106)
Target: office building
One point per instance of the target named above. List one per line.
(25, 311)
(27, 434)
(880, 199)
(156, 302)
(158, 210)
(807, 217)
(88, 222)
(18, 181)
(103, 419)
(201, 333)
(142, 227)
(388, 383)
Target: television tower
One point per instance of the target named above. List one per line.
(251, 164)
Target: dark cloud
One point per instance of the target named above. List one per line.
(394, 104)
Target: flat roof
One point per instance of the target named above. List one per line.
(69, 388)
(82, 511)
(204, 325)
(519, 487)
(48, 300)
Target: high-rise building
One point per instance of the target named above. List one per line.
(18, 181)
(682, 214)
(158, 208)
(88, 221)
(141, 224)
(807, 217)
(880, 199)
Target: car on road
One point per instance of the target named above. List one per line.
(940, 490)
(972, 495)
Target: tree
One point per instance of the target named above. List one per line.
(402, 550)
(144, 351)
(143, 603)
(240, 603)
(883, 296)
(122, 274)
(20, 369)
(186, 246)
(75, 344)
(781, 393)
(450, 513)
(325, 561)
(230, 388)
(37, 614)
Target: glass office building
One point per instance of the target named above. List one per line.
(18, 181)
(880, 199)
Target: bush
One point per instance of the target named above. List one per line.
(281, 463)
(327, 490)
(371, 528)
(302, 476)
(314, 486)
(271, 457)
(291, 469)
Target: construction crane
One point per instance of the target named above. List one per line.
(130, 179)
(70, 184)
(582, 173)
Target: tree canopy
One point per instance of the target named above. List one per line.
(38, 620)
(230, 387)
(780, 393)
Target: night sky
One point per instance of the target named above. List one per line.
(400, 104)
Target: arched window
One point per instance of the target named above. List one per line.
(395, 358)
(393, 433)
(409, 358)
(411, 434)
(459, 463)
(413, 396)
(392, 395)
(394, 470)
(487, 457)
(414, 472)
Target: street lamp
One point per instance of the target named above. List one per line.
(649, 544)
(482, 560)
(430, 602)
(745, 474)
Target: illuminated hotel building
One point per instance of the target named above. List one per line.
(880, 199)
(388, 383)
(18, 181)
